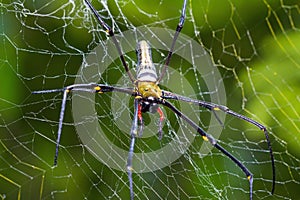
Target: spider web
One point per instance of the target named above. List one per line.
(254, 46)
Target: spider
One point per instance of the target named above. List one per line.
(148, 97)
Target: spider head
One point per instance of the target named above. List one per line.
(148, 89)
(148, 105)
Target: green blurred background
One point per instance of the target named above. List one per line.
(254, 44)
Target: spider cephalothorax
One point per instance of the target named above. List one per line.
(148, 89)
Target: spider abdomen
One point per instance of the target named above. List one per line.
(146, 70)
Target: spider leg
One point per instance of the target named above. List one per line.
(215, 107)
(133, 135)
(161, 119)
(212, 140)
(110, 32)
(178, 29)
(217, 117)
(141, 120)
(90, 87)
(61, 117)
